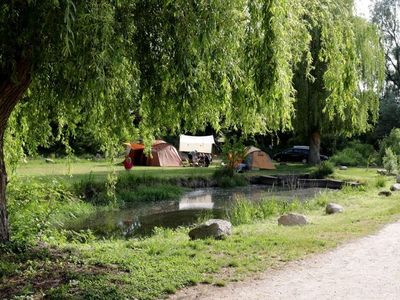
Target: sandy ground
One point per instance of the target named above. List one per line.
(368, 268)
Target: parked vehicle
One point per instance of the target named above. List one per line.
(296, 154)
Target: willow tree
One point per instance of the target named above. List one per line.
(176, 64)
(339, 81)
(386, 15)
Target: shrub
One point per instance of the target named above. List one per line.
(355, 154)
(149, 193)
(92, 191)
(324, 169)
(390, 161)
(233, 153)
(226, 177)
(33, 205)
(392, 141)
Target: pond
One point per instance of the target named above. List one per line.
(141, 218)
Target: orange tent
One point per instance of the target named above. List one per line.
(162, 155)
(256, 158)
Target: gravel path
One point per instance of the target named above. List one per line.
(368, 268)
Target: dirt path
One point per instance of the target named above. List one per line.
(368, 268)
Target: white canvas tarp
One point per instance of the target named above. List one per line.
(202, 144)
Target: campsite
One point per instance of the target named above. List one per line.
(199, 149)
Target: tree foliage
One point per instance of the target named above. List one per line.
(341, 92)
(386, 15)
(175, 66)
(339, 84)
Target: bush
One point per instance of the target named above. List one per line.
(224, 178)
(92, 191)
(392, 141)
(233, 153)
(390, 161)
(355, 154)
(33, 206)
(149, 193)
(324, 169)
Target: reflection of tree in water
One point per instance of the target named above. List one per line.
(129, 227)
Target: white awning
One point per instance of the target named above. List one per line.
(201, 144)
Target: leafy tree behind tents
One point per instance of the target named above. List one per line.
(386, 15)
(339, 83)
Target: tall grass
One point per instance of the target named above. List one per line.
(245, 211)
(128, 189)
(380, 182)
(225, 178)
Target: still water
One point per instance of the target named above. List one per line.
(141, 218)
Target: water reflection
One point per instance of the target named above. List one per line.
(142, 218)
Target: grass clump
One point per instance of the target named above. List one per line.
(247, 212)
(323, 170)
(226, 178)
(380, 182)
(128, 189)
(144, 193)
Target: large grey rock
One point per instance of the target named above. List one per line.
(214, 228)
(397, 179)
(292, 220)
(333, 208)
(395, 187)
(343, 168)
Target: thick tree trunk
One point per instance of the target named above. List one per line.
(11, 90)
(314, 154)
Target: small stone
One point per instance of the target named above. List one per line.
(385, 193)
(49, 161)
(292, 220)
(343, 168)
(395, 187)
(333, 208)
(214, 228)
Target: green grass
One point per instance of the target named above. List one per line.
(149, 268)
(99, 169)
(84, 267)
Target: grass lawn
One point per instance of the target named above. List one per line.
(88, 268)
(68, 170)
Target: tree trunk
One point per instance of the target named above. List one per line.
(314, 154)
(11, 90)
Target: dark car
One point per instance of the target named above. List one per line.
(296, 154)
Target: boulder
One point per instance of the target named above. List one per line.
(397, 179)
(49, 161)
(343, 168)
(214, 228)
(333, 208)
(395, 187)
(292, 220)
(385, 193)
(381, 172)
